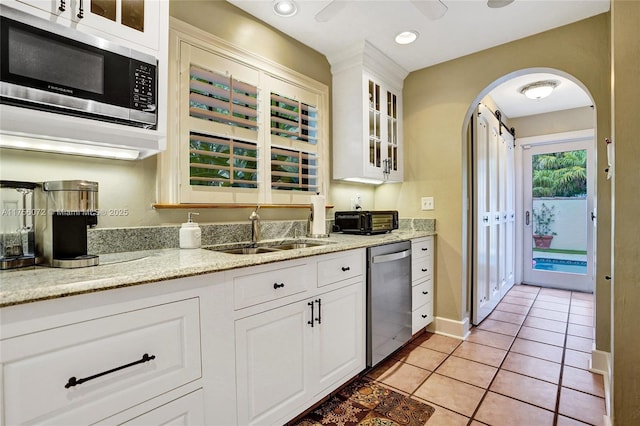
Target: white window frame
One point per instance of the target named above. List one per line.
(174, 186)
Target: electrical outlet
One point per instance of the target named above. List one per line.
(356, 202)
(427, 203)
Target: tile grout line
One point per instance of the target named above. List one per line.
(475, 412)
(556, 413)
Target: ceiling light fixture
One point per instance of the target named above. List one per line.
(495, 4)
(407, 37)
(285, 8)
(539, 89)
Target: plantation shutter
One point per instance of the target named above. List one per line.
(223, 125)
(294, 140)
(245, 134)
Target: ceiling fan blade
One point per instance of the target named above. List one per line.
(495, 4)
(432, 9)
(330, 10)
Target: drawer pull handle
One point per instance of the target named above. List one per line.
(425, 292)
(424, 269)
(345, 268)
(425, 248)
(424, 316)
(74, 382)
(62, 6)
(277, 286)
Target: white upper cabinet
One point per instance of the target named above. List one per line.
(132, 21)
(367, 116)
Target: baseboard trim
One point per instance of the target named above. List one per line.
(451, 328)
(600, 363)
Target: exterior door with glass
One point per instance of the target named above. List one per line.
(559, 217)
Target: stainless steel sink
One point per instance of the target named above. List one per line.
(246, 250)
(266, 247)
(297, 245)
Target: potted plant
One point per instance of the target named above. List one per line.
(543, 218)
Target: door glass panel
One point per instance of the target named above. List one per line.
(133, 14)
(104, 8)
(372, 151)
(559, 212)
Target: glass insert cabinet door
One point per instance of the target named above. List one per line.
(558, 220)
(375, 142)
(383, 138)
(131, 12)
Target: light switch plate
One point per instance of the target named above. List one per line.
(427, 203)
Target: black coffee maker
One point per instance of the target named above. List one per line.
(71, 208)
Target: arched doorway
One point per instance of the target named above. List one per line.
(507, 206)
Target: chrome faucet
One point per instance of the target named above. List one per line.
(309, 220)
(255, 226)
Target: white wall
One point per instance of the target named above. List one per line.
(570, 223)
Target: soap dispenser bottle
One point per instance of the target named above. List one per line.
(190, 233)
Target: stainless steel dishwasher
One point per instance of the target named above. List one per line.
(388, 299)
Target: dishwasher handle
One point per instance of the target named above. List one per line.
(391, 256)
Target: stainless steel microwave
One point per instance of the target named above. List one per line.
(50, 67)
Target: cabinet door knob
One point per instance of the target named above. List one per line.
(345, 268)
(62, 6)
(277, 286)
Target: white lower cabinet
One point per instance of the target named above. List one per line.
(289, 357)
(256, 345)
(105, 357)
(272, 352)
(422, 283)
(339, 340)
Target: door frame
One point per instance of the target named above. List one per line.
(587, 135)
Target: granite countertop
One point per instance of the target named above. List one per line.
(139, 267)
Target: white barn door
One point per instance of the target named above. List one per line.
(494, 213)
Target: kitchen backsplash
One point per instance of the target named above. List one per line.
(116, 240)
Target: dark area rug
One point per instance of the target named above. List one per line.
(367, 403)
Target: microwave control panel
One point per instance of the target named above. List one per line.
(143, 86)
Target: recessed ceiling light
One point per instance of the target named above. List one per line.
(406, 37)
(539, 89)
(285, 7)
(495, 4)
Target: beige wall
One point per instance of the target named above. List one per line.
(226, 21)
(554, 122)
(626, 245)
(437, 101)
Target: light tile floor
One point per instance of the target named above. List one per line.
(525, 365)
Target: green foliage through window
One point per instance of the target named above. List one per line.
(293, 119)
(560, 174)
(222, 162)
(293, 170)
(223, 99)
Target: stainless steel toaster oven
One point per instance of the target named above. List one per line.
(365, 222)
